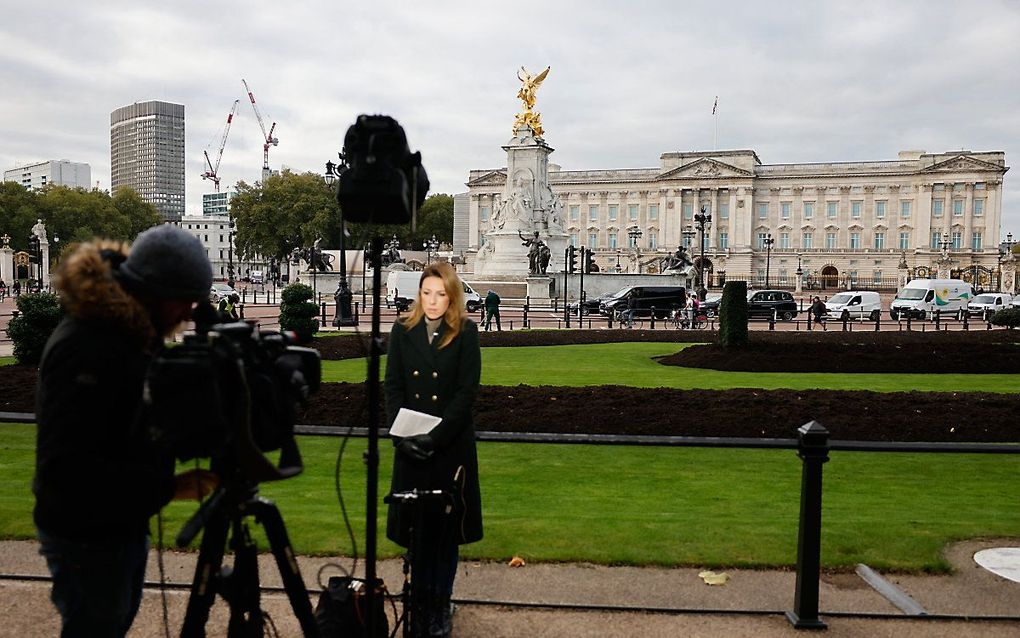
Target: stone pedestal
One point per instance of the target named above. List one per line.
(7, 265)
(1009, 274)
(540, 288)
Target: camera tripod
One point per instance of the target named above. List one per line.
(226, 511)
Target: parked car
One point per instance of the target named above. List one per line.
(763, 303)
(592, 304)
(257, 277)
(663, 298)
(920, 298)
(710, 306)
(219, 291)
(854, 304)
(988, 301)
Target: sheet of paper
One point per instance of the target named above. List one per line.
(411, 422)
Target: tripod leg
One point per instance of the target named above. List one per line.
(203, 587)
(268, 515)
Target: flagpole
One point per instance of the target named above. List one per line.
(715, 125)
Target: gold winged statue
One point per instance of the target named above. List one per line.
(529, 85)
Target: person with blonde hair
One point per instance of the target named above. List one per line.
(434, 366)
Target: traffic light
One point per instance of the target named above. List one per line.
(589, 261)
(33, 250)
(571, 259)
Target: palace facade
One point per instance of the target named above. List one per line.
(840, 223)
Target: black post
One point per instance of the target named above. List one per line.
(878, 320)
(527, 302)
(652, 326)
(813, 449)
(772, 320)
(372, 453)
(566, 310)
(580, 291)
(938, 319)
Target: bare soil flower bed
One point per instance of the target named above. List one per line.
(910, 416)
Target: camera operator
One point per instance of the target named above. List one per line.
(99, 478)
(434, 366)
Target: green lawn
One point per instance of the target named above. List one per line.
(632, 364)
(702, 507)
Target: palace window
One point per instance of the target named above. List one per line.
(573, 239)
(633, 210)
(807, 239)
(724, 211)
(904, 241)
(653, 240)
(979, 207)
(957, 208)
(483, 213)
(575, 212)
(855, 241)
(688, 211)
(724, 241)
(905, 209)
(937, 206)
(613, 210)
(763, 210)
(593, 240)
(880, 209)
(879, 241)
(975, 240)
(809, 210)
(831, 209)
(784, 210)
(936, 238)
(830, 241)
(784, 241)
(855, 209)
(957, 240)
(612, 241)
(653, 211)
(593, 212)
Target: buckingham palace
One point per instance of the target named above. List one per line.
(838, 223)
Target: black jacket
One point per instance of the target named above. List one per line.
(443, 382)
(97, 475)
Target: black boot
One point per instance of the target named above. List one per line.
(440, 617)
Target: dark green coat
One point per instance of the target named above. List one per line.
(442, 382)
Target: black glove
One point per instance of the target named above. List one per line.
(419, 447)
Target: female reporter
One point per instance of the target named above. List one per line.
(433, 366)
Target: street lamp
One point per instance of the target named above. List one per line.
(703, 220)
(431, 247)
(343, 295)
(230, 253)
(1004, 249)
(634, 234)
(768, 241)
(800, 273)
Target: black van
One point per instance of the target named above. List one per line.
(663, 298)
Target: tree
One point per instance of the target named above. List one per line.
(436, 218)
(19, 210)
(286, 211)
(31, 329)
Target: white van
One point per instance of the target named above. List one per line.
(920, 298)
(257, 277)
(988, 301)
(855, 304)
(402, 289)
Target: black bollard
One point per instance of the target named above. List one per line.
(878, 321)
(240, 311)
(908, 321)
(653, 318)
(322, 308)
(772, 320)
(846, 319)
(813, 449)
(938, 319)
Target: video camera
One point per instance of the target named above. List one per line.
(230, 392)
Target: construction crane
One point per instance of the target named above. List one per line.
(212, 172)
(269, 139)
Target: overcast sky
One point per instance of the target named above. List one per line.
(808, 81)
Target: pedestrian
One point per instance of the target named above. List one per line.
(227, 307)
(492, 310)
(818, 310)
(17, 287)
(628, 314)
(99, 476)
(434, 365)
(3, 290)
(689, 308)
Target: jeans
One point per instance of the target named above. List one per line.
(97, 586)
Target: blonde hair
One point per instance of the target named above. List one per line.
(455, 313)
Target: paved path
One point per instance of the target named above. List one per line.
(750, 604)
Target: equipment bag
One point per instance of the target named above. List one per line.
(341, 610)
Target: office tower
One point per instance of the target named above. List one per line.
(147, 154)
